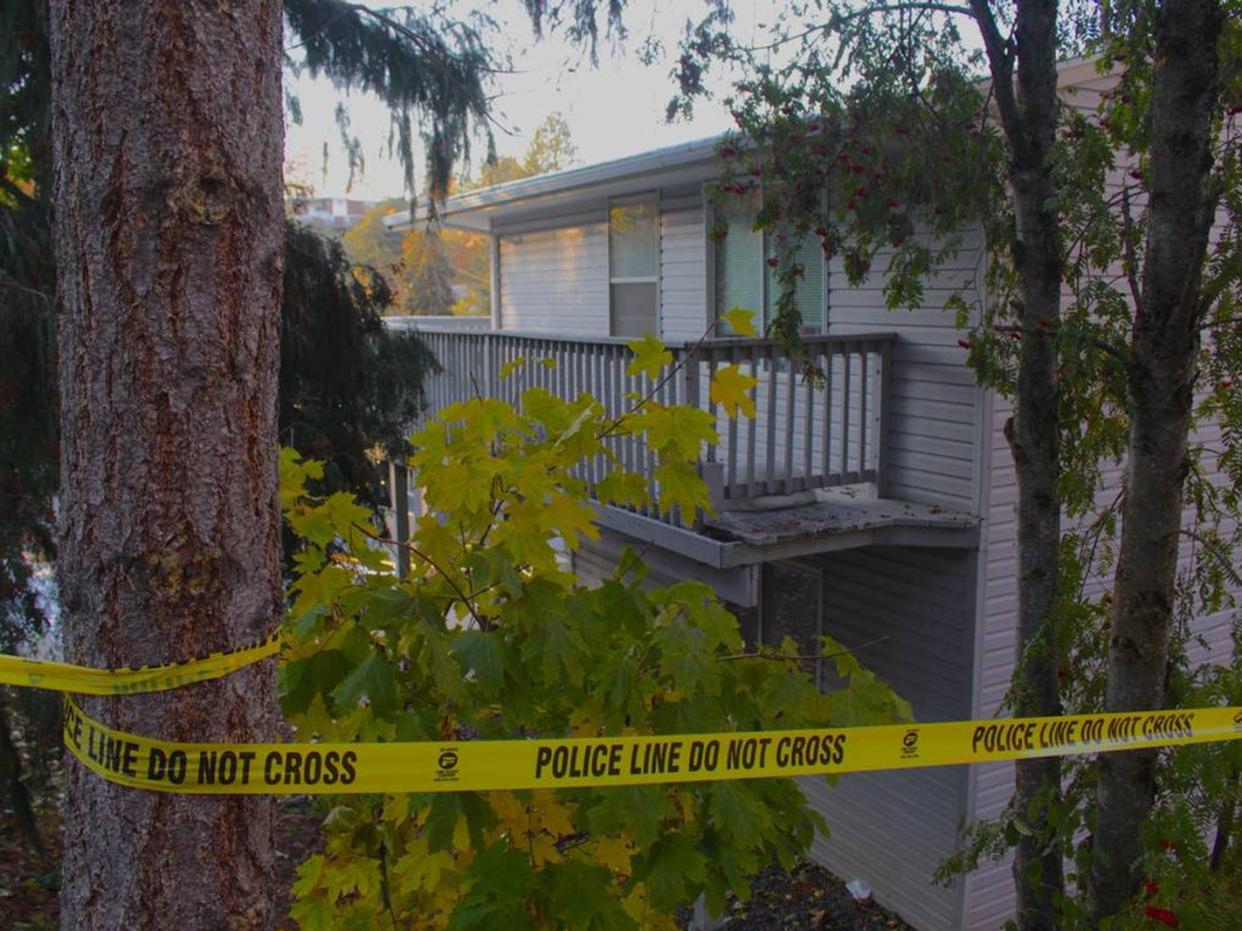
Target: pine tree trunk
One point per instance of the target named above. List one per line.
(1164, 347)
(168, 229)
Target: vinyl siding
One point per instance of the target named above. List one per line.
(920, 599)
(936, 408)
(683, 277)
(556, 280)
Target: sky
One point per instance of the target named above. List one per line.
(614, 109)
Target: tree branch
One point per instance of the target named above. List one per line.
(1127, 233)
(1000, 61)
(664, 380)
(1215, 552)
(410, 547)
(796, 657)
(840, 19)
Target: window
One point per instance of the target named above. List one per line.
(745, 279)
(739, 255)
(633, 267)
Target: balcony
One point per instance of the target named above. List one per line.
(806, 474)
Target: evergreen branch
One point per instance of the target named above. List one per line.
(421, 41)
(1224, 321)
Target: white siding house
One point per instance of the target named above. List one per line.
(879, 505)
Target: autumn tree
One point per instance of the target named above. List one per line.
(489, 637)
(424, 264)
(551, 146)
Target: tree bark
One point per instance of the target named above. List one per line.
(169, 236)
(1028, 116)
(1165, 347)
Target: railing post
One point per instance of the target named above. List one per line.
(690, 397)
(883, 424)
(399, 490)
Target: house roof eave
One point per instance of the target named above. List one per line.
(476, 210)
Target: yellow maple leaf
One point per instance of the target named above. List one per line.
(650, 356)
(542, 849)
(511, 366)
(740, 320)
(638, 906)
(613, 852)
(511, 812)
(554, 817)
(731, 390)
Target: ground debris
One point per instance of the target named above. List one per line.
(806, 898)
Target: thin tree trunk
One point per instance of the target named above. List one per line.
(12, 785)
(168, 229)
(1165, 346)
(1028, 117)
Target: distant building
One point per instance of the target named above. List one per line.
(330, 213)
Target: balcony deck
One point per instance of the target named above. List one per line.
(807, 473)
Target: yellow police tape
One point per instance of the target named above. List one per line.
(85, 680)
(452, 766)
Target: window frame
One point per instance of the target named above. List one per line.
(643, 197)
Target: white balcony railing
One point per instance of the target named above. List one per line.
(807, 432)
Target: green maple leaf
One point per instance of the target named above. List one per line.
(640, 811)
(294, 473)
(302, 679)
(676, 432)
(373, 679)
(740, 321)
(685, 659)
(345, 514)
(503, 884)
(650, 356)
(357, 874)
(483, 654)
(511, 366)
(557, 649)
(730, 389)
(673, 869)
(628, 489)
(681, 485)
(445, 671)
(738, 812)
(310, 875)
(582, 896)
(546, 409)
(313, 913)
